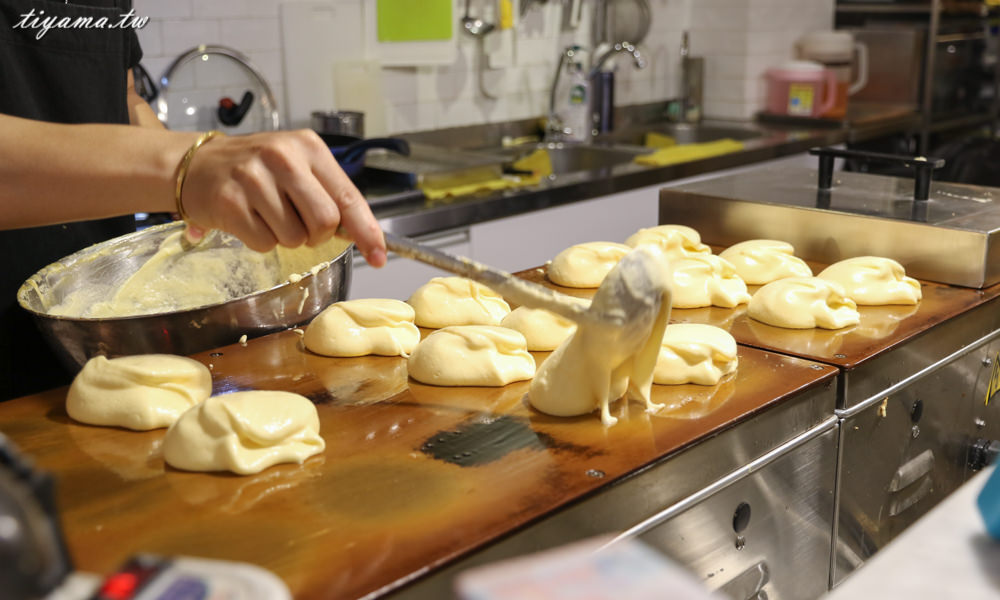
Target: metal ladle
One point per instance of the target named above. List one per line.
(475, 26)
(638, 300)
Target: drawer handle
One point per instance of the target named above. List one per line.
(912, 470)
(749, 584)
(905, 501)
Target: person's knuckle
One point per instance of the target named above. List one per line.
(259, 242)
(280, 158)
(249, 175)
(296, 238)
(310, 140)
(347, 199)
(317, 237)
(229, 199)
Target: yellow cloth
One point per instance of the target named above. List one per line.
(538, 162)
(688, 152)
(659, 140)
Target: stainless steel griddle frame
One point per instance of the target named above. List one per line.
(906, 448)
(911, 416)
(780, 464)
(952, 237)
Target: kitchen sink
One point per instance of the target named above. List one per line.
(684, 133)
(569, 157)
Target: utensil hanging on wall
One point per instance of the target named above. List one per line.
(479, 28)
(623, 21)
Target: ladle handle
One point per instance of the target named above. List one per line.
(517, 290)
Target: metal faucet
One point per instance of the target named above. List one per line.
(602, 84)
(687, 108)
(554, 127)
(620, 47)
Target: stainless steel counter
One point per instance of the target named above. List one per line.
(407, 212)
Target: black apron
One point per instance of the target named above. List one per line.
(67, 76)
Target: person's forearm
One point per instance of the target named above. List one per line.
(53, 173)
(140, 113)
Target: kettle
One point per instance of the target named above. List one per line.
(801, 88)
(837, 51)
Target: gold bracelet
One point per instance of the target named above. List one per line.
(185, 164)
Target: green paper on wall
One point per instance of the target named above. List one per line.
(413, 20)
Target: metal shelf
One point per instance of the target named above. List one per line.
(886, 9)
(931, 14)
(962, 122)
(947, 8)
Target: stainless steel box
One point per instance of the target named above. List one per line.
(949, 238)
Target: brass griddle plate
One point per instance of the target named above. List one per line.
(881, 329)
(396, 491)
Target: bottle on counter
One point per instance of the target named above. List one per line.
(575, 109)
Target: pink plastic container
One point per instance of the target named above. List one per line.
(801, 88)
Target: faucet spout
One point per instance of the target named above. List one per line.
(620, 48)
(603, 85)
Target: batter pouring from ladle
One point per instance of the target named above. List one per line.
(607, 359)
(614, 349)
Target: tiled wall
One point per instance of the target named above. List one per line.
(739, 38)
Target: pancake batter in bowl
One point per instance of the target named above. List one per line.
(217, 270)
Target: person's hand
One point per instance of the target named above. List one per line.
(278, 188)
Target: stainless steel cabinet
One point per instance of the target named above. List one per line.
(766, 535)
(905, 452)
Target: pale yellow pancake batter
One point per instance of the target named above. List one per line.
(139, 392)
(446, 301)
(543, 330)
(803, 303)
(676, 241)
(364, 326)
(244, 432)
(762, 261)
(585, 265)
(600, 363)
(215, 271)
(695, 353)
(706, 280)
(473, 355)
(874, 281)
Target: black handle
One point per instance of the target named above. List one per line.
(231, 113)
(922, 167)
(357, 150)
(983, 453)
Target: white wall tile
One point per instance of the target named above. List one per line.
(159, 9)
(156, 66)
(220, 8)
(402, 118)
(151, 39)
(769, 42)
(265, 8)
(250, 34)
(720, 15)
(399, 85)
(180, 36)
(268, 62)
(739, 39)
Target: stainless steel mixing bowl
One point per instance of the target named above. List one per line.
(182, 332)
